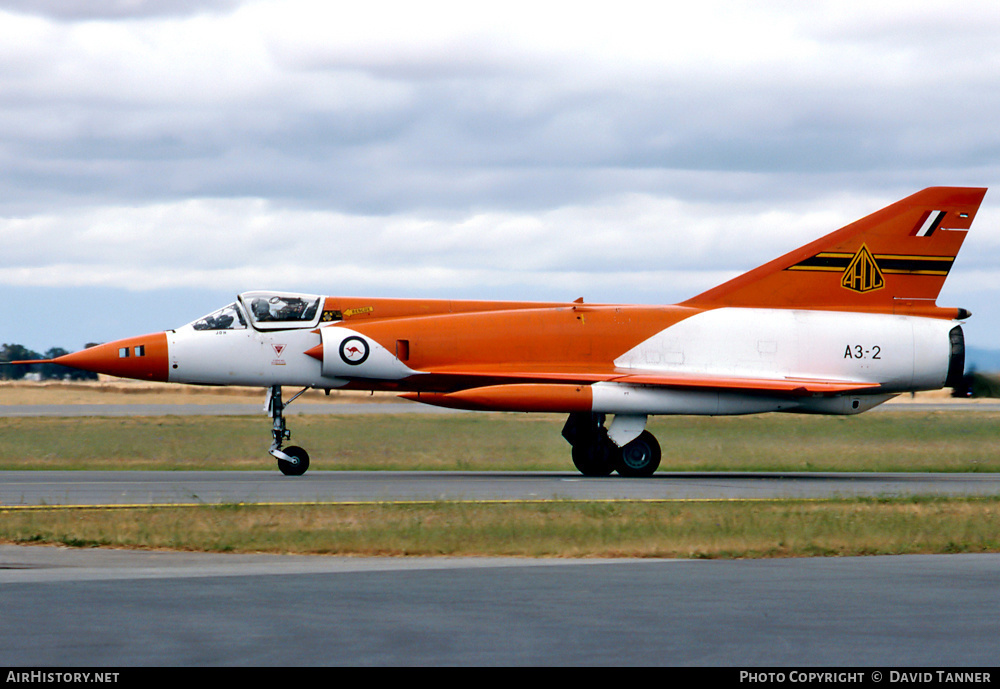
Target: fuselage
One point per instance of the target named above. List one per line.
(563, 357)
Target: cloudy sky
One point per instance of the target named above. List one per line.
(158, 157)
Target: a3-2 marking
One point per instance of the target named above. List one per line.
(861, 352)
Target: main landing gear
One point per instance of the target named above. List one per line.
(595, 454)
(292, 461)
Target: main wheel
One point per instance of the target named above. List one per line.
(639, 458)
(289, 469)
(595, 458)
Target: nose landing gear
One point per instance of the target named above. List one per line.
(292, 461)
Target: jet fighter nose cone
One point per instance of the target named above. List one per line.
(143, 358)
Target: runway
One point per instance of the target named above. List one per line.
(28, 488)
(117, 609)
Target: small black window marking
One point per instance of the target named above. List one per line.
(931, 223)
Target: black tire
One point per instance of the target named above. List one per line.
(639, 458)
(289, 469)
(595, 458)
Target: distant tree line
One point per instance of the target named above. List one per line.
(976, 384)
(16, 352)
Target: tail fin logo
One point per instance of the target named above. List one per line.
(863, 274)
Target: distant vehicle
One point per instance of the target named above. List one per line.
(837, 326)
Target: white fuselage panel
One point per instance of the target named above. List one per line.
(245, 357)
(901, 353)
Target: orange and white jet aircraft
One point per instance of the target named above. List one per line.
(837, 326)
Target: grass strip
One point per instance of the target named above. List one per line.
(959, 441)
(663, 529)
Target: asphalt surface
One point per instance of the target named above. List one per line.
(21, 488)
(117, 609)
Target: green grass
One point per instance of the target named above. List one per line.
(879, 441)
(953, 441)
(705, 529)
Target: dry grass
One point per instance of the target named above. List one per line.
(877, 441)
(121, 391)
(709, 529)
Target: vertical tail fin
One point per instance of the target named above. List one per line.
(893, 261)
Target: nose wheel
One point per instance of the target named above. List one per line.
(293, 460)
(297, 462)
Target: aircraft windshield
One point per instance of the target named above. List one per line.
(275, 310)
(227, 318)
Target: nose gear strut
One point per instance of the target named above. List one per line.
(292, 461)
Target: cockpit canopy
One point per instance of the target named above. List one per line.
(271, 310)
(266, 311)
(227, 318)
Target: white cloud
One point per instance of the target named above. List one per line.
(88, 10)
(529, 150)
(622, 243)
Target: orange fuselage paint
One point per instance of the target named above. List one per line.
(566, 338)
(355, 310)
(142, 358)
(521, 398)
